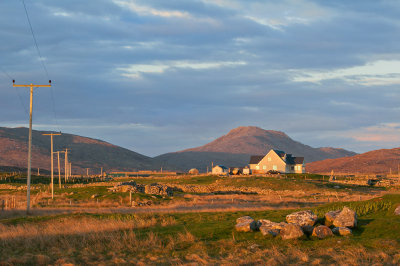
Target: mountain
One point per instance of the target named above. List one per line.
(235, 148)
(84, 152)
(377, 162)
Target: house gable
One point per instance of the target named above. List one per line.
(277, 160)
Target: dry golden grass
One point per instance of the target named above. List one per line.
(92, 241)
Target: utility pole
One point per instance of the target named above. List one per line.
(70, 170)
(66, 165)
(59, 169)
(87, 171)
(101, 172)
(52, 168)
(38, 172)
(28, 180)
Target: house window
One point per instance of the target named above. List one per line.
(291, 168)
(264, 167)
(258, 167)
(269, 159)
(275, 167)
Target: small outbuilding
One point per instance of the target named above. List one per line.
(246, 170)
(193, 171)
(220, 169)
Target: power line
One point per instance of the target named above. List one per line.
(5, 73)
(35, 41)
(16, 89)
(43, 64)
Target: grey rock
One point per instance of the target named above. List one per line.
(270, 228)
(330, 217)
(322, 232)
(346, 218)
(397, 210)
(246, 224)
(342, 231)
(302, 218)
(291, 231)
(243, 219)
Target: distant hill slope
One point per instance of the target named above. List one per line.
(378, 161)
(85, 152)
(235, 148)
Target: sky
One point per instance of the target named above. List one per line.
(158, 76)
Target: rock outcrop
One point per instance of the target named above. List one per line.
(346, 218)
(330, 217)
(270, 228)
(154, 189)
(322, 232)
(246, 224)
(291, 231)
(302, 218)
(342, 231)
(397, 210)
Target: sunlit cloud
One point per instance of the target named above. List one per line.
(150, 11)
(381, 72)
(382, 133)
(278, 14)
(135, 71)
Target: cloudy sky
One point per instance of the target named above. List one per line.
(157, 76)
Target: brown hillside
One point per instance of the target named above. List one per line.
(85, 152)
(257, 141)
(378, 161)
(236, 147)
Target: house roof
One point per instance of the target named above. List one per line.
(298, 160)
(280, 153)
(223, 167)
(255, 159)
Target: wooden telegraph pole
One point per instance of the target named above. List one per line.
(28, 180)
(52, 168)
(59, 169)
(66, 167)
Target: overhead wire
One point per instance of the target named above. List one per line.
(16, 89)
(42, 63)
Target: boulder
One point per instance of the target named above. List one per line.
(302, 218)
(291, 231)
(246, 224)
(342, 231)
(346, 218)
(330, 217)
(322, 232)
(270, 228)
(243, 219)
(397, 210)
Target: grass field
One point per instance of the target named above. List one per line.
(87, 224)
(202, 238)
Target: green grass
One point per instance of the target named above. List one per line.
(378, 231)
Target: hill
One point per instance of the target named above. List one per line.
(85, 152)
(236, 147)
(378, 161)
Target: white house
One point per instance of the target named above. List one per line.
(277, 161)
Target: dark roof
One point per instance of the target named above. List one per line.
(255, 159)
(280, 153)
(298, 160)
(294, 160)
(223, 167)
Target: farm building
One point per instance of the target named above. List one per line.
(246, 170)
(278, 161)
(220, 169)
(193, 171)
